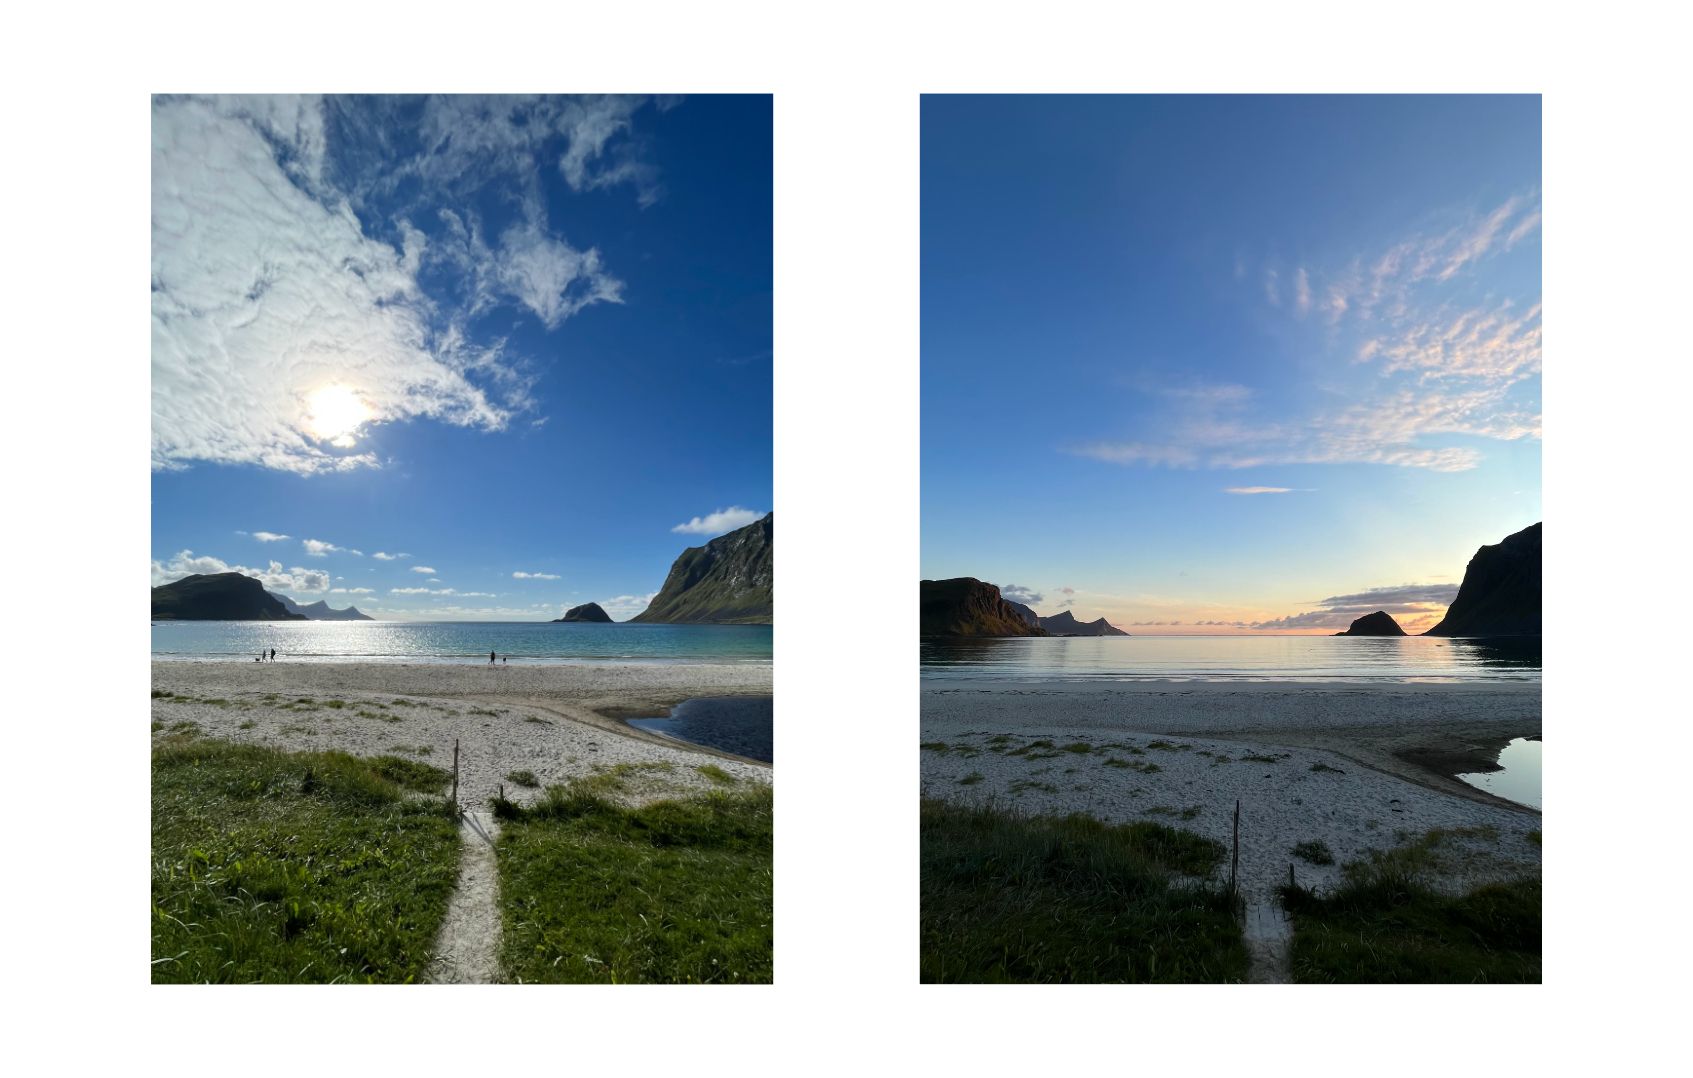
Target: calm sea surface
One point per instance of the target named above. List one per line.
(1230, 658)
(737, 724)
(460, 641)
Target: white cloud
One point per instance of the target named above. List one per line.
(352, 591)
(521, 575)
(380, 556)
(1259, 490)
(274, 577)
(723, 520)
(270, 537)
(1302, 291)
(1019, 594)
(550, 277)
(317, 548)
(623, 607)
(442, 591)
(424, 569)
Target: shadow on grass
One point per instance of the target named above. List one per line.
(1014, 898)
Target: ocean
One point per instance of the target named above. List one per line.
(1231, 658)
(461, 641)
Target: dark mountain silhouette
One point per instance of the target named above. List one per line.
(320, 610)
(1380, 623)
(1064, 623)
(585, 612)
(1500, 595)
(218, 597)
(727, 581)
(965, 606)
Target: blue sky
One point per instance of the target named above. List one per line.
(1225, 364)
(458, 357)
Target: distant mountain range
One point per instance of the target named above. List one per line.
(219, 597)
(585, 612)
(320, 610)
(1500, 595)
(1064, 623)
(965, 606)
(1380, 623)
(728, 581)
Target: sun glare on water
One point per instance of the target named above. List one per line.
(335, 413)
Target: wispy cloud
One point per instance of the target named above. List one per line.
(1263, 490)
(381, 556)
(274, 275)
(624, 607)
(521, 575)
(318, 548)
(426, 570)
(1019, 594)
(442, 591)
(723, 520)
(266, 537)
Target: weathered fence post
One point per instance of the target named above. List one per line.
(1234, 867)
(455, 776)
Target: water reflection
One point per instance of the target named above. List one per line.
(1518, 778)
(1269, 658)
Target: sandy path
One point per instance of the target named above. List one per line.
(467, 951)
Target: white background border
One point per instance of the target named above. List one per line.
(846, 80)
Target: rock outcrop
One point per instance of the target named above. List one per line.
(1064, 623)
(1500, 595)
(218, 597)
(1380, 623)
(728, 581)
(585, 612)
(1023, 612)
(965, 606)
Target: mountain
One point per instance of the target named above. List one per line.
(1065, 624)
(1023, 612)
(218, 597)
(320, 610)
(727, 581)
(1500, 595)
(965, 606)
(1380, 623)
(585, 612)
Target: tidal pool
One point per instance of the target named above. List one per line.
(1518, 778)
(737, 724)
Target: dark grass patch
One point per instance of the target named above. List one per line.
(935, 746)
(411, 774)
(672, 892)
(282, 867)
(717, 775)
(1534, 836)
(537, 720)
(971, 779)
(1387, 925)
(1321, 768)
(485, 711)
(525, 779)
(248, 725)
(1315, 851)
(1080, 747)
(1167, 746)
(1258, 758)
(1021, 785)
(1134, 765)
(412, 750)
(1027, 899)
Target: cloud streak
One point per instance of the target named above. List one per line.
(723, 520)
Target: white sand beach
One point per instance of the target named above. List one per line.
(1182, 753)
(542, 718)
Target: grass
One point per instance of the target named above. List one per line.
(272, 866)
(525, 779)
(971, 779)
(411, 750)
(1321, 768)
(537, 720)
(1314, 851)
(676, 891)
(717, 775)
(1387, 923)
(1014, 898)
(1021, 785)
(1184, 814)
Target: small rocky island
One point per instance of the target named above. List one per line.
(1380, 623)
(585, 612)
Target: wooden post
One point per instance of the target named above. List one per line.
(1291, 882)
(1234, 867)
(455, 775)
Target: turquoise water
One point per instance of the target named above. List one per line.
(1231, 658)
(460, 641)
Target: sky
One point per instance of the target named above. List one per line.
(458, 358)
(1228, 364)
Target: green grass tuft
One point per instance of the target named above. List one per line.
(1315, 851)
(525, 779)
(717, 774)
(1013, 898)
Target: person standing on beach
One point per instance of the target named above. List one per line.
(272, 654)
(490, 658)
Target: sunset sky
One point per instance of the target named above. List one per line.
(1228, 364)
(458, 357)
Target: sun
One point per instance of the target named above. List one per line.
(334, 414)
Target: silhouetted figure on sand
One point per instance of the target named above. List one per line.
(272, 654)
(490, 658)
